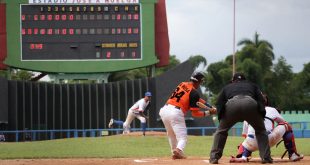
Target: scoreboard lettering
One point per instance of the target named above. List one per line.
(81, 31)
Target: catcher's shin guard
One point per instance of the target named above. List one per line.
(243, 152)
(289, 142)
(240, 150)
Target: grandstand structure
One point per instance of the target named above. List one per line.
(300, 120)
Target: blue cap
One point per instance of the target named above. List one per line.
(148, 94)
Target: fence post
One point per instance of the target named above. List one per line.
(203, 131)
(92, 133)
(34, 136)
(16, 136)
(75, 134)
(68, 134)
(51, 135)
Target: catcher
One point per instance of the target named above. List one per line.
(283, 130)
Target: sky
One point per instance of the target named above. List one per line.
(205, 27)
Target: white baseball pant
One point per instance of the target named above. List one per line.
(173, 119)
(250, 143)
(130, 116)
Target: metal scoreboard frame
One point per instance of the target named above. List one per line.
(80, 36)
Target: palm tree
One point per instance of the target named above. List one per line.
(262, 51)
(196, 60)
(256, 42)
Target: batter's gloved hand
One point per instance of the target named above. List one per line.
(213, 110)
(208, 105)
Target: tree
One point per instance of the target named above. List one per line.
(300, 89)
(261, 51)
(256, 42)
(142, 72)
(18, 74)
(285, 89)
(278, 89)
(3, 73)
(173, 62)
(252, 71)
(197, 60)
(218, 74)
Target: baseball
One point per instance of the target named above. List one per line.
(213, 118)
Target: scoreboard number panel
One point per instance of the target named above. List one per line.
(80, 32)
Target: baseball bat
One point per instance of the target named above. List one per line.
(202, 105)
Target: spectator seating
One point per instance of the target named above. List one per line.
(300, 121)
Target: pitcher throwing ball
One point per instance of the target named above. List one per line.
(136, 111)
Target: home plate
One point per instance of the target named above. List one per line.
(144, 160)
(207, 161)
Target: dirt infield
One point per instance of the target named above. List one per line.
(139, 161)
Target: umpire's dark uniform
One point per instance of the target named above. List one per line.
(238, 101)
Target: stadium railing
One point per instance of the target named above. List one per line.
(300, 130)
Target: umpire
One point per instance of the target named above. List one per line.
(238, 101)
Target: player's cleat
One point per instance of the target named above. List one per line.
(214, 161)
(126, 130)
(178, 154)
(295, 157)
(267, 160)
(111, 123)
(237, 160)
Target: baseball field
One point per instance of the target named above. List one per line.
(128, 149)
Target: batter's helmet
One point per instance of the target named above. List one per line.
(197, 77)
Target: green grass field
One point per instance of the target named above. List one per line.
(124, 147)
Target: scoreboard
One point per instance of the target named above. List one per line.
(81, 32)
(80, 36)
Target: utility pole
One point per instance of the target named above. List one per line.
(234, 39)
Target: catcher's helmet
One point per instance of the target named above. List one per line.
(197, 77)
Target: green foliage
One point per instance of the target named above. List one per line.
(252, 70)
(128, 75)
(260, 51)
(282, 76)
(18, 74)
(142, 72)
(285, 89)
(197, 60)
(124, 147)
(173, 62)
(219, 74)
(3, 73)
(299, 90)
(145, 72)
